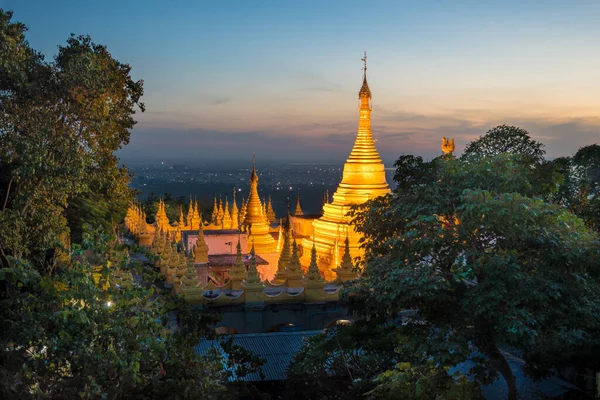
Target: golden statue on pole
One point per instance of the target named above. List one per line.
(447, 146)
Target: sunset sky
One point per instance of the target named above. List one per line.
(224, 79)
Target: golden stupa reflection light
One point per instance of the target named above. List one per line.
(363, 179)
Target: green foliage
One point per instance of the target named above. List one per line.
(505, 139)
(472, 246)
(341, 362)
(60, 124)
(580, 189)
(71, 336)
(82, 321)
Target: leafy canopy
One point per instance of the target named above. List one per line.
(60, 123)
(487, 263)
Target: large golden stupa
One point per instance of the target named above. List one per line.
(363, 179)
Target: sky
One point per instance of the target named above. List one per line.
(224, 79)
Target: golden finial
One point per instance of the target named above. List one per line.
(364, 60)
(364, 90)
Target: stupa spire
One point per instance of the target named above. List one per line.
(220, 213)
(313, 273)
(215, 211)
(293, 271)
(286, 251)
(364, 147)
(346, 271)
(298, 210)
(254, 220)
(226, 215)
(238, 272)
(190, 212)
(181, 219)
(270, 211)
(235, 215)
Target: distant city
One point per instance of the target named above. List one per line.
(279, 180)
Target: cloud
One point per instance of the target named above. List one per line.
(396, 133)
(219, 100)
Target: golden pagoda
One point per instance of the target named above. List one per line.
(298, 210)
(254, 221)
(238, 273)
(363, 179)
(235, 215)
(190, 213)
(162, 221)
(215, 212)
(196, 222)
(270, 211)
(226, 215)
(220, 213)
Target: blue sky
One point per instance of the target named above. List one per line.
(224, 79)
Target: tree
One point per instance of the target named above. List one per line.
(92, 331)
(512, 140)
(488, 267)
(81, 326)
(505, 139)
(60, 124)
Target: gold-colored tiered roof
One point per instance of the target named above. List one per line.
(363, 179)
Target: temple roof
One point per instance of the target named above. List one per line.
(276, 348)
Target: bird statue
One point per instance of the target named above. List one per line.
(447, 146)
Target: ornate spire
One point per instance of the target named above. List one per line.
(238, 272)
(220, 214)
(235, 215)
(286, 251)
(255, 223)
(345, 271)
(190, 213)
(226, 215)
(253, 276)
(196, 218)
(215, 211)
(254, 211)
(364, 150)
(270, 211)
(298, 210)
(313, 273)
(181, 219)
(364, 92)
(162, 221)
(293, 272)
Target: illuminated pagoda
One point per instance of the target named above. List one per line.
(363, 179)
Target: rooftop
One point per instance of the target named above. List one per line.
(276, 348)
